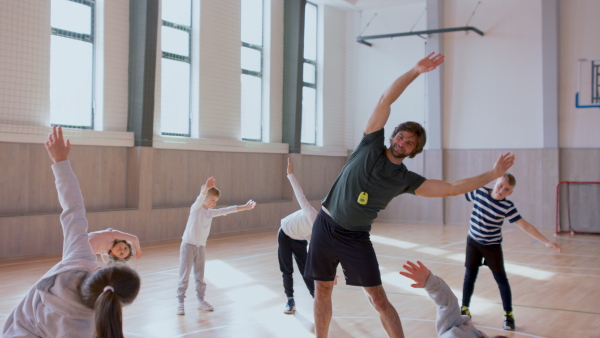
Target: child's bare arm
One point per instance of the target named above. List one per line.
(533, 232)
(248, 206)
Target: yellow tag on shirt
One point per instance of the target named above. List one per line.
(363, 198)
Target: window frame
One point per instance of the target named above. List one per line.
(89, 38)
(180, 58)
(257, 74)
(314, 63)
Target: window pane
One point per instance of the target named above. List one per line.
(309, 73)
(175, 97)
(175, 41)
(310, 32)
(251, 107)
(309, 116)
(252, 21)
(70, 82)
(177, 11)
(251, 59)
(71, 16)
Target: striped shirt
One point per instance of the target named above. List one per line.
(488, 215)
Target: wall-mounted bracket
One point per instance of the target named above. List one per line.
(363, 39)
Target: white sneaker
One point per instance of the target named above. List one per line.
(205, 306)
(180, 310)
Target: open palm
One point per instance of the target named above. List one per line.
(429, 63)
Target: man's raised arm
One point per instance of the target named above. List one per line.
(437, 188)
(381, 113)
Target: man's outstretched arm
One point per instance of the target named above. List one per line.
(381, 113)
(437, 188)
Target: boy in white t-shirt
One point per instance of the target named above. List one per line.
(193, 245)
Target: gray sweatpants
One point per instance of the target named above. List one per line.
(191, 255)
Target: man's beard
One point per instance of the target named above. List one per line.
(396, 154)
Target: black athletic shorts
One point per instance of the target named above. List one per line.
(331, 245)
(490, 254)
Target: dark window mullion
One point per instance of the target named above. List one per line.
(180, 27)
(252, 73)
(84, 2)
(175, 57)
(72, 35)
(249, 45)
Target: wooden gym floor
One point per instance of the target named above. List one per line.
(554, 295)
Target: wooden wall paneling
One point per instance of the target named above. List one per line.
(459, 164)
(579, 164)
(133, 177)
(225, 171)
(527, 194)
(26, 179)
(551, 172)
(140, 218)
(130, 189)
(531, 171)
(319, 173)
(102, 175)
(433, 169)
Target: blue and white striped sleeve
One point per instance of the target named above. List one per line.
(470, 196)
(512, 214)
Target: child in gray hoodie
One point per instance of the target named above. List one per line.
(73, 299)
(449, 322)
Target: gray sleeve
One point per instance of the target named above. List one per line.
(76, 243)
(448, 311)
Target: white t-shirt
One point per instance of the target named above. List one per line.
(298, 225)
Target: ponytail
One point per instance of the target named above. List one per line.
(108, 315)
(106, 291)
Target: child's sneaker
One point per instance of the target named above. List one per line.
(290, 306)
(204, 306)
(465, 311)
(509, 321)
(180, 310)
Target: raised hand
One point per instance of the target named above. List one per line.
(210, 183)
(418, 273)
(138, 254)
(429, 63)
(504, 162)
(250, 205)
(289, 167)
(58, 149)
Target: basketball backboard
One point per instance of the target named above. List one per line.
(588, 85)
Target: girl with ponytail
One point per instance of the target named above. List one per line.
(73, 299)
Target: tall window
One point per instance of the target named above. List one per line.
(309, 89)
(72, 63)
(175, 67)
(251, 61)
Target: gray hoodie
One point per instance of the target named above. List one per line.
(449, 322)
(52, 307)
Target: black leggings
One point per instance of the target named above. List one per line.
(492, 256)
(501, 280)
(288, 248)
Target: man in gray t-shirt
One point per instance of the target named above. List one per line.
(372, 177)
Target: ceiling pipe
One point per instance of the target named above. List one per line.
(363, 39)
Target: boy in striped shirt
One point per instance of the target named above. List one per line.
(490, 209)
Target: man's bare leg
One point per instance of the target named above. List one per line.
(322, 308)
(387, 313)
